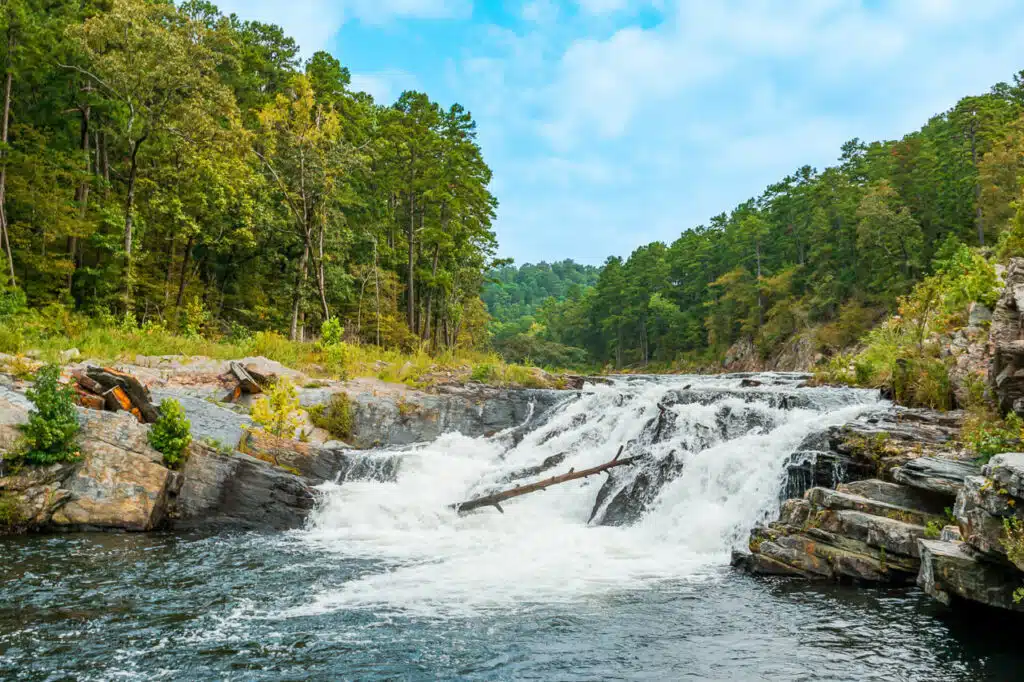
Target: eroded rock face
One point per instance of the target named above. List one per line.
(1006, 338)
(238, 491)
(942, 476)
(950, 570)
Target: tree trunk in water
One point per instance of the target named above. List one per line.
(4, 227)
(129, 207)
(300, 280)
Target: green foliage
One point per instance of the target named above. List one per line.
(335, 417)
(171, 434)
(221, 448)
(53, 423)
(482, 373)
(933, 530)
(196, 318)
(985, 434)
(277, 413)
(10, 510)
(331, 332)
(1013, 540)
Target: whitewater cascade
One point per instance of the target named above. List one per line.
(714, 453)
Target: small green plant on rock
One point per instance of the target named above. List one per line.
(172, 433)
(335, 417)
(933, 530)
(53, 424)
(277, 412)
(1013, 540)
(10, 511)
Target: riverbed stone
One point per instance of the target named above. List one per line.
(836, 499)
(951, 571)
(943, 476)
(238, 491)
(896, 495)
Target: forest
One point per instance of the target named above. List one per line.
(167, 165)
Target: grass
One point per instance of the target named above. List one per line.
(53, 330)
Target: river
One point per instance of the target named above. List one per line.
(387, 582)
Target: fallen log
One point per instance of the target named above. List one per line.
(246, 382)
(495, 499)
(121, 391)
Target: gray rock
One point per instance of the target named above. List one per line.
(894, 536)
(207, 419)
(897, 495)
(238, 491)
(951, 571)
(835, 499)
(978, 315)
(1006, 336)
(70, 355)
(942, 476)
(1007, 471)
(951, 534)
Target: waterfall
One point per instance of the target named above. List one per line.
(712, 462)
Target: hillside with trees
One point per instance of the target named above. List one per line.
(821, 254)
(171, 166)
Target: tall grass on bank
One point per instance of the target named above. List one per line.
(55, 329)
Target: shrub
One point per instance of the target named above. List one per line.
(53, 424)
(335, 417)
(482, 373)
(933, 530)
(331, 332)
(10, 340)
(10, 510)
(12, 301)
(986, 435)
(171, 434)
(277, 412)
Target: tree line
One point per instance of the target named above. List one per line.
(821, 254)
(167, 163)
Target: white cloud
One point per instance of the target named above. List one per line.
(385, 86)
(314, 22)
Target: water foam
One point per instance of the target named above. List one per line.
(423, 559)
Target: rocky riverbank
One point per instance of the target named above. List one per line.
(233, 476)
(901, 503)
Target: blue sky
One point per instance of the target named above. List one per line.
(613, 123)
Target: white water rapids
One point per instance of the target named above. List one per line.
(422, 559)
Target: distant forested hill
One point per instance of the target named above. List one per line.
(517, 292)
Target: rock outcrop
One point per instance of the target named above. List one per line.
(1006, 338)
(868, 528)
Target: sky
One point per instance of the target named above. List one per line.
(613, 123)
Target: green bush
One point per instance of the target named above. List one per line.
(171, 434)
(277, 412)
(331, 332)
(482, 373)
(12, 301)
(335, 417)
(986, 435)
(10, 510)
(53, 424)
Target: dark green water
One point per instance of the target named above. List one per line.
(179, 607)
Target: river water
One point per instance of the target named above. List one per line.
(387, 582)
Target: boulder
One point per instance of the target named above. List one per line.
(319, 463)
(837, 499)
(208, 420)
(1007, 472)
(119, 483)
(951, 571)
(238, 491)
(942, 476)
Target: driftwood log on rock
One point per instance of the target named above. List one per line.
(248, 381)
(105, 388)
(495, 499)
